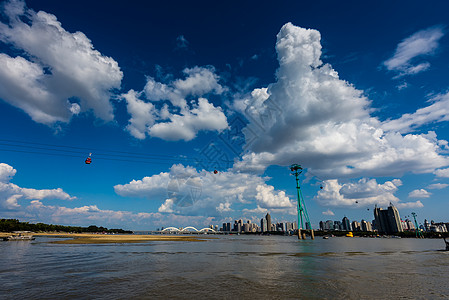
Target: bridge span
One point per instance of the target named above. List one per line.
(188, 229)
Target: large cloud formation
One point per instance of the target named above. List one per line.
(19, 202)
(312, 117)
(59, 73)
(176, 118)
(10, 194)
(364, 193)
(185, 190)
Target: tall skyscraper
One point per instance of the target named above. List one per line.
(388, 220)
(322, 225)
(329, 225)
(365, 226)
(355, 226)
(263, 225)
(268, 217)
(346, 225)
(410, 225)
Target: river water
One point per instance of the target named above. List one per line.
(227, 267)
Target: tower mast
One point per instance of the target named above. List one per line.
(303, 216)
(417, 231)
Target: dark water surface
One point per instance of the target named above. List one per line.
(228, 267)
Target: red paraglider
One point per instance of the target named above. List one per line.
(215, 172)
(88, 159)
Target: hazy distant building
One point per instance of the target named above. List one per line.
(404, 225)
(410, 225)
(444, 226)
(238, 225)
(226, 227)
(438, 227)
(263, 225)
(365, 226)
(280, 227)
(355, 226)
(407, 225)
(268, 218)
(426, 225)
(345, 224)
(289, 226)
(338, 225)
(388, 220)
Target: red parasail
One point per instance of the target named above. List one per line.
(215, 172)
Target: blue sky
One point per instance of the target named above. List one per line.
(164, 94)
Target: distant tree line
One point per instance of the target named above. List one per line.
(8, 225)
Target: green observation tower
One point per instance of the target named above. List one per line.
(303, 217)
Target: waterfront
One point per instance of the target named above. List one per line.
(227, 267)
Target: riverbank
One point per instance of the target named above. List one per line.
(90, 238)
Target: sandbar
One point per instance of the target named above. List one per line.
(89, 238)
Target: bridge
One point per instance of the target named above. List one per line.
(189, 229)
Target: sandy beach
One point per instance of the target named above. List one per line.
(89, 238)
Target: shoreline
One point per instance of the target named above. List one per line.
(91, 238)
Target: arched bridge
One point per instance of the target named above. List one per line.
(188, 229)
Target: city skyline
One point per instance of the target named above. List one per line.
(152, 113)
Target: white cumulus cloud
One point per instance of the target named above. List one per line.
(6, 172)
(10, 193)
(185, 190)
(185, 111)
(312, 117)
(442, 173)
(57, 67)
(420, 193)
(184, 126)
(358, 194)
(268, 199)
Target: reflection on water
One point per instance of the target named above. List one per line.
(230, 267)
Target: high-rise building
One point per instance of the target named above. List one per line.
(337, 225)
(322, 225)
(394, 219)
(345, 224)
(426, 225)
(388, 220)
(365, 226)
(238, 225)
(263, 225)
(356, 226)
(329, 225)
(226, 227)
(288, 226)
(268, 217)
(410, 225)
